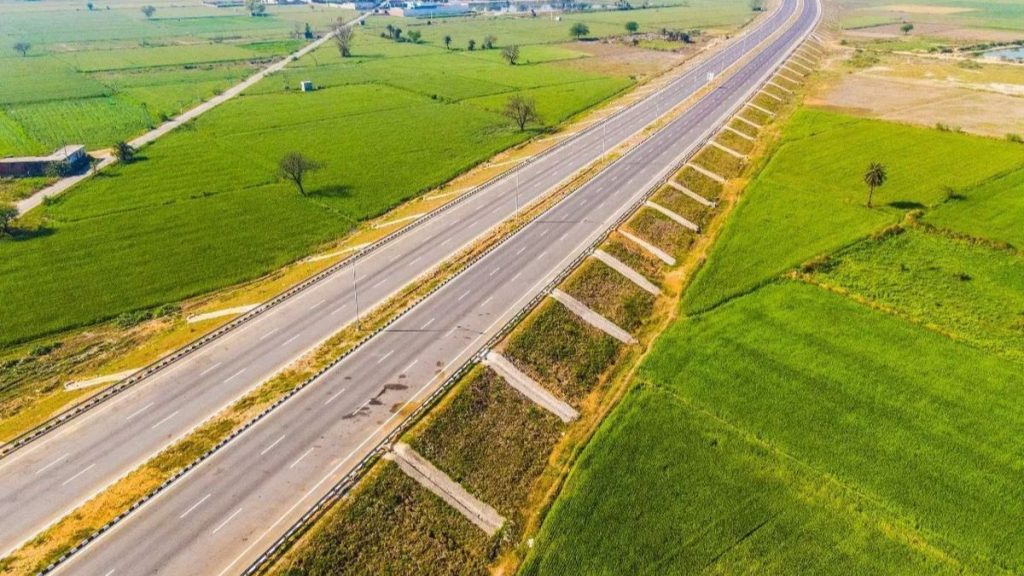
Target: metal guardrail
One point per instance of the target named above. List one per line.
(342, 486)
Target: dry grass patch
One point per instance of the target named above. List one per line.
(756, 116)
(682, 204)
(662, 231)
(699, 183)
(490, 439)
(560, 351)
(719, 161)
(743, 127)
(610, 294)
(389, 525)
(635, 257)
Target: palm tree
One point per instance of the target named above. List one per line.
(875, 177)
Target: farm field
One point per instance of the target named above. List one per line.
(98, 76)
(994, 14)
(809, 199)
(412, 116)
(856, 413)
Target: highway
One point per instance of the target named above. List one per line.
(51, 476)
(222, 515)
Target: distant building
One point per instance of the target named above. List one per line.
(306, 85)
(426, 9)
(20, 167)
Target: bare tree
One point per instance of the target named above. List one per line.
(148, 11)
(22, 48)
(511, 53)
(521, 110)
(294, 166)
(343, 38)
(489, 41)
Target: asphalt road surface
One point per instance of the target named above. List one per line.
(51, 476)
(221, 516)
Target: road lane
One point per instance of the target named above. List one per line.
(320, 432)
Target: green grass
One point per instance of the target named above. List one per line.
(734, 141)
(94, 122)
(663, 488)
(492, 441)
(993, 210)
(794, 427)
(14, 189)
(967, 290)
(1000, 14)
(635, 257)
(719, 162)
(391, 525)
(810, 200)
(562, 353)
(611, 295)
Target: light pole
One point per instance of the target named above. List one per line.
(517, 190)
(355, 292)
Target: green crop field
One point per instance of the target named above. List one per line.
(860, 417)
(63, 89)
(393, 120)
(999, 14)
(809, 199)
(991, 210)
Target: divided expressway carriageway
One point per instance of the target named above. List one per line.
(222, 515)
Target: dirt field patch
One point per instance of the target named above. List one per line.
(949, 32)
(980, 108)
(614, 58)
(925, 9)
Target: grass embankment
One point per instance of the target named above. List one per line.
(390, 525)
(560, 351)
(810, 199)
(682, 205)
(861, 421)
(635, 257)
(699, 183)
(660, 230)
(610, 294)
(493, 441)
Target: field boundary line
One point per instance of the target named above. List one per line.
(172, 357)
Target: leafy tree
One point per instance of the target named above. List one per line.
(447, 41)
(148, 10)
(294, 166)
(521, 110)
(94, 164)
(906, 28)
(471, 44)
(308, 32)
(89, 6)
(757, 5)
(579, 30)
(511, 54)
(7, 215)
(414, 36)
(489, 41)
(632, 27)
(875, 177)
(255, 7)
(343, 38)
(124, 152)
(22, 48)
